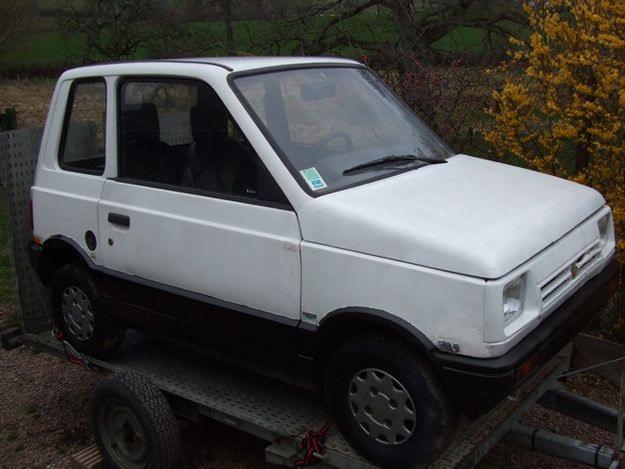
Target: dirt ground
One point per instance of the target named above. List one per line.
(43, 401)
(30, 98)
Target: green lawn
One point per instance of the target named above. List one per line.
(43, 48)
(52, 48)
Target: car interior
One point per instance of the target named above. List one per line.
(218, 159)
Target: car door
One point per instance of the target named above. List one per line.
(200, 239)
(72, 172)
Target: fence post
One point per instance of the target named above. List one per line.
(8, 119)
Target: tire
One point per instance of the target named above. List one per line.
(133, 424)
(85, 325)
(387, 401)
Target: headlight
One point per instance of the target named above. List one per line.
(512, 300)
(604, 227)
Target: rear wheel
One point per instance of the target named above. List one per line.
(387, 401)
(80, 313)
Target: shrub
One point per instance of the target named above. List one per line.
(562, 105)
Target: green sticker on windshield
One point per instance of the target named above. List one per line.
(313, 178)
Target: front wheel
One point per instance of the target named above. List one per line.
(387, 401)
(80, 312)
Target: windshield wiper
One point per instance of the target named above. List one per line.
(389, 159)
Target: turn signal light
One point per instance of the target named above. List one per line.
(527, 368)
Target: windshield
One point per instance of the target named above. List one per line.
(327, 121)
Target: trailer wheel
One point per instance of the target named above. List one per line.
(387, 401)
(80, 312)
(133, 424)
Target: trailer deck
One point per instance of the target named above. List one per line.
(280, 414)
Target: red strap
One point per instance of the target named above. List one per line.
(70, 353)
(313, 444)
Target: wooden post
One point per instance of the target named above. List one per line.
(8, 120)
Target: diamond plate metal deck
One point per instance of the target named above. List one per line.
(261, 406)
(18, 159)
(275, 411)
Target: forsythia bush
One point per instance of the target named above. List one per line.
(562, 106)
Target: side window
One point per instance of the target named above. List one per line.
(83, 138)
(178, 132)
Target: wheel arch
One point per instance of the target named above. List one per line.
(57, 251)
(343, 323)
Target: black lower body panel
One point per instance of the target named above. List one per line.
(250, 338)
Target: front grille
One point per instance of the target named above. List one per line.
(561, 280)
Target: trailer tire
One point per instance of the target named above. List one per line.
(98, 334)
(148, 437)
(387, 401)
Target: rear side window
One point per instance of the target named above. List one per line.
(83, 139)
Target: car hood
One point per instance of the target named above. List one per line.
(469, 216)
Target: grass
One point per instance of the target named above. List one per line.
(44, 48)
(7, 290)
(30, 408)
(7, 293)
(51, 48)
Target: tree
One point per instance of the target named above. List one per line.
(398, 38)
(226, 6)
(413, 28)
(117, 29)
(562, 106)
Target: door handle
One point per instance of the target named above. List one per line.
(119, 219)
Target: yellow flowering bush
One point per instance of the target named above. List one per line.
(561, 109)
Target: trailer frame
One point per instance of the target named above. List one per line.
(198, 387)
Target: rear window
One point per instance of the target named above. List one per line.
(83, 139)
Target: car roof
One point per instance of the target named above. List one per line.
(252, 62)
(231, 64)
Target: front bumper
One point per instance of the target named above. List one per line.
(477, 384)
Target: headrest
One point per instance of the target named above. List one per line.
(140, 123)
(208, 122)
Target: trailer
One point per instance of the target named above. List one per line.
(294, 423)
(196, 387)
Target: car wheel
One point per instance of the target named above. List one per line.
(80, 313)
(387, 401)
(133, 424)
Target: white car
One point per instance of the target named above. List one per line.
(293, 216)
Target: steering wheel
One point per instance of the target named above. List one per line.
(349, 144)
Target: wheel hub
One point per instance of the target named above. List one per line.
(382, 407)
(77, 313)
(123, 436)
